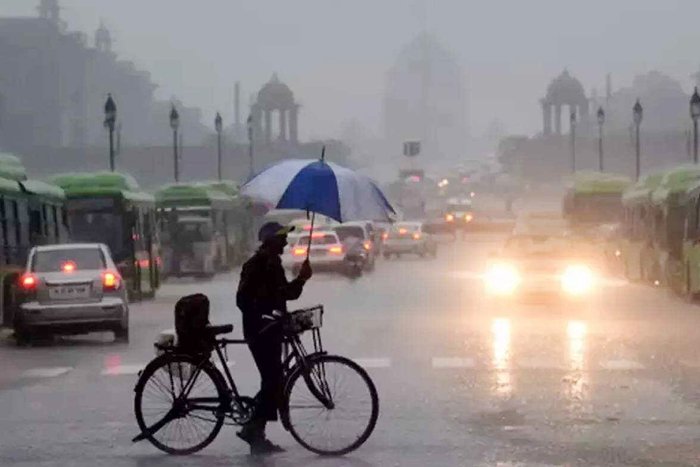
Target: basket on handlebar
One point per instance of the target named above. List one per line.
(306, 319)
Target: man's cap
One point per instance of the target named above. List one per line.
(272, 229)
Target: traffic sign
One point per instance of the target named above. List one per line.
(411, 148)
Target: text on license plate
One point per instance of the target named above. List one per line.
(65, 292)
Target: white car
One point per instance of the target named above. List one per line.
(409, 237)
(71, 289)
(327, 252)
(362, 232)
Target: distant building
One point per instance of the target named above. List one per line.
(53, 85)
(425, 100)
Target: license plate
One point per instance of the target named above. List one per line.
(318, 252)
(69, 292)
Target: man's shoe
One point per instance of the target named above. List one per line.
(264, 447)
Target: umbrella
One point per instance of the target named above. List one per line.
(320, 187)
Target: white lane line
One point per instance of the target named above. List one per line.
(46, 372)
(453, 362)
(539, 364)
(123, 369)
(621, 364)
(373, 362)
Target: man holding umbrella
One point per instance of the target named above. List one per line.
(263, 289)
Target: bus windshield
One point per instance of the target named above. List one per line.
(102, 227)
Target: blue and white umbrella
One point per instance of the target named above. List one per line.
(322, 188)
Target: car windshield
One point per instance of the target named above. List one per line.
(349, 231)
(55, 260)
(318, 240)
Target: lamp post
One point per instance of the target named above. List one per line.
(110, 120)
(572, 122)
(637, 114)
(601, 121)
(218, 123)
(695, 114)
(175, 124)
(251, 170)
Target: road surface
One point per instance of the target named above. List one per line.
(462, 381)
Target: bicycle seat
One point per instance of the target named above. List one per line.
(216, 329)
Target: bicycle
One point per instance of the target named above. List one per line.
(182, 400)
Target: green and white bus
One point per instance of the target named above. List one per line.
(110, 208)
(31, 213)
(668, 209)
(636, 245)
(226, 212)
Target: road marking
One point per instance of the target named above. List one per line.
(539, 364)
(453, 362)
(373, 362)
(621, 364)
(46, 372)
(123, 369)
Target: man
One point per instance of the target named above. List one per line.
(262, 290)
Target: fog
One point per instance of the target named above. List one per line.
(335, 55)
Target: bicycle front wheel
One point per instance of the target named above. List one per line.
(180, 403)
(331, 407)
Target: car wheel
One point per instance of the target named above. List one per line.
(121, 332)
(23, 336)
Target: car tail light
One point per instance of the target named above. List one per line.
(28, 281)
(450, 217)
(336, 250)
(110, 280)
(68, 266)
(468, 217)
(299, 251)
(416, 236)
(385, 236)
(403, 231)
(367, 244)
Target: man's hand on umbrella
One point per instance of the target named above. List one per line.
(305, 271)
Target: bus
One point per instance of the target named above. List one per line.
(691, 243)
(240, 222)
(110, 208)
(668, 223)
(217, 201)
(31, 213)
(635, 246)
(594, 198)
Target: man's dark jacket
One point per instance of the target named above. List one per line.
(264, 288)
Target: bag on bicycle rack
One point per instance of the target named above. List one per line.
(191, 320)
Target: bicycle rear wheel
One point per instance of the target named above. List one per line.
(333, 408)
(180, 405)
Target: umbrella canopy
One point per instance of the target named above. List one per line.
(320, 187)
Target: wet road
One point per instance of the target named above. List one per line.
(462, 381)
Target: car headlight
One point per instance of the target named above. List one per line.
(577, 280)
(502, 279)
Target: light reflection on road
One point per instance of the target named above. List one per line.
(500, 328)
(577, 378)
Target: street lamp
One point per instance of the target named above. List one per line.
(110, 119)
(572, 121)
(637, 114)
(174, 124)
(251, 170)
(218, 123)
(695, 114)
(601, 121)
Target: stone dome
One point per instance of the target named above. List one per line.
(275, 95)
(565, 89)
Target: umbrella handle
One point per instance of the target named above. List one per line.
(311, 234)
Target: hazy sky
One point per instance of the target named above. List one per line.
(334, 54)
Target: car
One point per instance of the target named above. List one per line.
(409, 237)
(540, 266)
(361, 232)
(327, 252)
(71, 289)
(459, 214)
